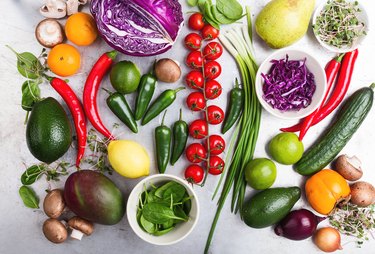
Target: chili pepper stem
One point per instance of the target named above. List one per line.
(112, 54)
(105, 89)
(162, 120)
(26, 117)
(179, 89)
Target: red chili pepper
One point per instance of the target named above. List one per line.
(338, 94)
(91, 90)
(77, 112)
(331, 71)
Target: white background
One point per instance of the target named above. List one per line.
(20, 230)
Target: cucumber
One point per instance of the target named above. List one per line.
(349, 118)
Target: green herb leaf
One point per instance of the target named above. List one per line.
(219, 17)
(29, 197)
(192, 2)
(230, 8)
(32, 174)
(175, 191)
(158, 214)
(160, 191)
(179, 211)
(147, 226)
(30, 94)
(168, 224)
(163, 232)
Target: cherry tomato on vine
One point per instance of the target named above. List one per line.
(212, 89)
(195, 101)
(212, 69)
(194, 60)
(193, 41)
(198, 129)
(216, 165)
(216, 144)
(195, 152)
(195, 80)
(209, 32)
(194, 174)
(215, 115)
(212, 51)
(196, 21)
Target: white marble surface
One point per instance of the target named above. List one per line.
(21, 227)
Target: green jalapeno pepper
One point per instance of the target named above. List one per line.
(145, 92)
(119, 106)
(236, 101)
(163, 136)
(180, 136)
(164, 100)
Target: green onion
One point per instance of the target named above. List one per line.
(238, 42)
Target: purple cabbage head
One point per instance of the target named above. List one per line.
(138, 27)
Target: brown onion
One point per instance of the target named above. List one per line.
(328, 239)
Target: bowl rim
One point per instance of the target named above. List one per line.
(259, 82)
(133, 222)
(334, 49)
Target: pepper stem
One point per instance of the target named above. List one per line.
(236, 84)
(179, 89)
(112, 54)
(109, 92)
(180, 114)
(372, 86)
(339, 57)
(162, 120)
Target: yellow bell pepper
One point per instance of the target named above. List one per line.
(325, 189)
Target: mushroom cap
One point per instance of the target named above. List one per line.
(55, 231)
(72, 6)
(49, 33)
(349, 167)
(54, 204)
(85, 226)
(53, 9)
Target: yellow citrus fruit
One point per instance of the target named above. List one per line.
(64, 60)
(128, 158)
(80, 28)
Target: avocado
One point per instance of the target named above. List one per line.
(269, 206)
(48, 130)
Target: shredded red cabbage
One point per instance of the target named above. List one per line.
(289, 85)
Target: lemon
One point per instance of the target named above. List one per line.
(286, 148)
(128, 158)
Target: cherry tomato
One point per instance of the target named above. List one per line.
(216, 144)
(194, 174)
(209, 32)
(198, 129)
(195, 152)
(213, 89)
(193, 41)
(215, 115)
(196, 21)
(216, 165)
(195, 80)
(195, 101)
(212, 70)
(212, 51)
(194, 60)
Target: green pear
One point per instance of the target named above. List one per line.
(283, 22)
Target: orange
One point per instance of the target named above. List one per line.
(64, 60)
(80, 28)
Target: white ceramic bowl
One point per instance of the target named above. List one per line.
(313, 66)
(181, 230)
(362, 16)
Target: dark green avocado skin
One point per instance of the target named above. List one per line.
(48, 130)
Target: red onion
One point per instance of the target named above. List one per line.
(298, 225)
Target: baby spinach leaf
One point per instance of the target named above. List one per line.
(187, 203)
(147, 226)
(168, 224)
(163, 232)
(179, 211)
(192, 2)
(230, 8)
(219, 17)
(32, 174)
(159, 191)
(29, 197)
(175, 191)
(158, 214)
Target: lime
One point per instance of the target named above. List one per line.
(125, 77)
(260, 173)
(286, 148)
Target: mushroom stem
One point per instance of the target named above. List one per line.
(76, 234)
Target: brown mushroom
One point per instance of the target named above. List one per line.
(349, 167)
(54, 204)
(167, 70)
(49, 33)
(362, 194)
(55, 231)
(80, 227)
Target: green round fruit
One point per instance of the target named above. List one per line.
(260, 173)
(286, 148)
(125, 77)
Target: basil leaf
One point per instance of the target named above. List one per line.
(147, 226)
(32, 174)
(29, 197)
(158, 214)
(175, 191)
(192, 2)
(30, 94)
(230, 8)
(28, 65)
